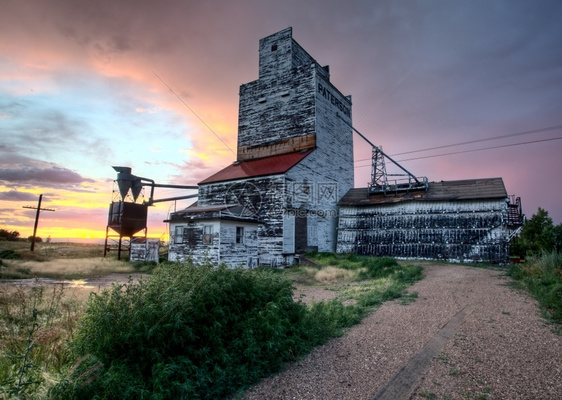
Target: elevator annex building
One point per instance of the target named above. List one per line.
(290, 189)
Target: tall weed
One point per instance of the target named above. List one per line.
(328, 319)
(35, 324)
(542, 276)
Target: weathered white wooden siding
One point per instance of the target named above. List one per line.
(468, 231)
(291, 107)
(280, 104)
(144, 250)
(235, 254)
(319, 181)
(192, 244)
(263, 195)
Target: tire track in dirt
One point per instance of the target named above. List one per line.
(403, 383)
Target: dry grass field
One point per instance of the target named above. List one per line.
(58, 261)
(42, 296)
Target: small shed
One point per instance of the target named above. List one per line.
(225, 233)
(462, 221)
(144, 249)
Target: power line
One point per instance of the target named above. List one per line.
(190, 109)
(387, 93)
(200, 119)
(484, 148)
(473, 150)
(549, 128)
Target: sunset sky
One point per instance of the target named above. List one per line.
(84, 86)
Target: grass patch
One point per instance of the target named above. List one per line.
(185, 332)
(195, 332)
(61, 261)
(9, 254)
(79, 268)
(330, 275)
(35, 326)
(542, 277)
(409, 298)
(49, 251)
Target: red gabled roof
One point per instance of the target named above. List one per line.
(263, 166)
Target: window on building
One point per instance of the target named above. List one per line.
(207, 234)
(178, 235)
(239, 234)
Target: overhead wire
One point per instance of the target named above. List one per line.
(389, 91)
(549, 128)
(470, 151)
(200, 119)
(482, 149)
(407, 152)
(192, 111)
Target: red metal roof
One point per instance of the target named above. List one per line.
(260, 167)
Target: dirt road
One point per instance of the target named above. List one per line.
(467, 336)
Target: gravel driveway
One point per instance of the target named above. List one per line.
(467, 336)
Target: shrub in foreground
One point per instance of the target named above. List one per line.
(189, 332)
(202, 332)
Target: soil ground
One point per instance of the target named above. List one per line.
(468, 335)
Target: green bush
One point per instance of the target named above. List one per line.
(542, 276)
(9, 255)
(145, 266)
(203, 332)
(193, 332)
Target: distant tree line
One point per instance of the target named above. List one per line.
(539, 235)
(12, 236)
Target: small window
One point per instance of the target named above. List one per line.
(239, 234)
(207, 234)
(178, 235)
(274, 47)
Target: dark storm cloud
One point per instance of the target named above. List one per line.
(18, 170)
(479, 69)
(46, 177)
(14, 195)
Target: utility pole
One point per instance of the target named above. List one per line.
(38, 208)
